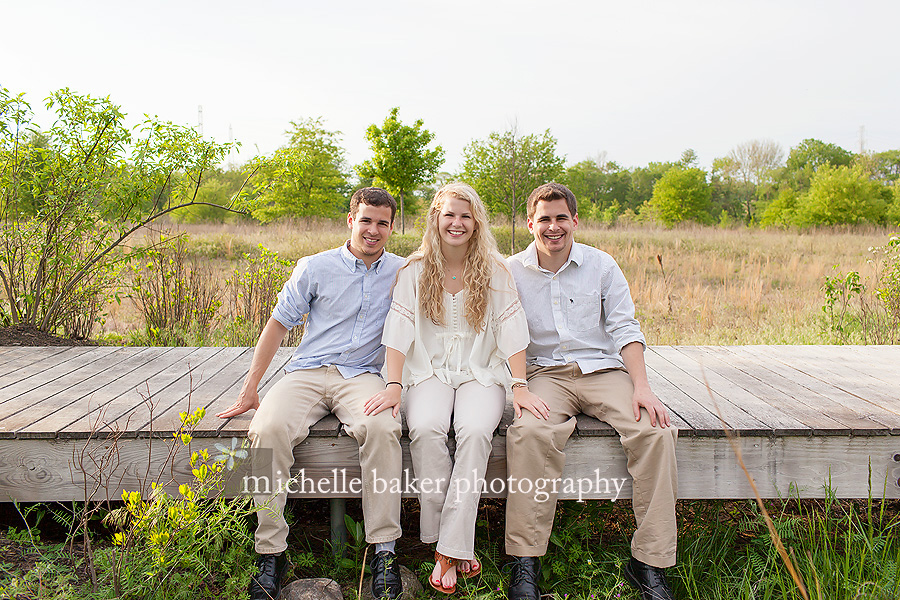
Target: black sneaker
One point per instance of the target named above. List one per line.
(270, 570)
(523, 578)
(386, 583)
(649, 581)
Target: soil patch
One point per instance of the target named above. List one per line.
(28, 335)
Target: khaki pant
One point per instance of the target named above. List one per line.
(449, 492)
(283, 420)
(535, 449)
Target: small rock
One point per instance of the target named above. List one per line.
(411, 586)
(312, 589)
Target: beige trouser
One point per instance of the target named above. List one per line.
(449, 493)
(535, 449)
(283, 420)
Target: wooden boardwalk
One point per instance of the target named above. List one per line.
(91, 421)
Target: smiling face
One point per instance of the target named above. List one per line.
(370, 229)
(455, 223)
(553, 227)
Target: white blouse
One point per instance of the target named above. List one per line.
(455, 353)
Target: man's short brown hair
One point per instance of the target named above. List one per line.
(552, 191)
(373, 196)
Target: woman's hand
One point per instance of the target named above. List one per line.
(389, 398)
(525, 398)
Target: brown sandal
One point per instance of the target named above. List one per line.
(446, 563)
(471, 572)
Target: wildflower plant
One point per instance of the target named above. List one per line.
(189, 544)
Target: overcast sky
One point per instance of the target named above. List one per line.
(638, 80)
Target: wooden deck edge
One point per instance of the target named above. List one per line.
(805, 467)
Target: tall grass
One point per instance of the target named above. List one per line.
(691, 285)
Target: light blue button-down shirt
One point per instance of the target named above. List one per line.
(345, 306)
(581, 314)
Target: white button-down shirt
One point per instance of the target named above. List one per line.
(581, 314)
(345, 305)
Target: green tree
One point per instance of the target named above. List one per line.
(305, 178)
(887, 165)
(689, 159)
(782, 211)
(805, 159)
(598, 185)
(893, 210)
(506, 167)
(643, 179)
(843, 195)
(218, 187)
(682, 194)
(401, 159)
(727, 190)
(68, 203)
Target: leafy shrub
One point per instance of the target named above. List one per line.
(253, 293)
(866, 310)
(72, 194)
(842, 195)
(189, 545)
(175, 294)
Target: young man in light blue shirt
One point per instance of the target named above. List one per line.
(586, 355)
(344, 295)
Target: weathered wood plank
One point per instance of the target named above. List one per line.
(884, 359)
(826, 383)
(51, 374)
(853, 380)
(43, 470)
(127, 389)
(22, 356)
(867, 366)
(691, 383)
(229, 364)
(13, 352)
(47, 399)
(698, 418)
(25, 367)
(161, 391)
(753, 380)
(238, 425)
(809, 391)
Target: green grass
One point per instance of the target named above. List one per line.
(842, 549)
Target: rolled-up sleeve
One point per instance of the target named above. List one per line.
(295, 296)
(400, 325)
(621, 325)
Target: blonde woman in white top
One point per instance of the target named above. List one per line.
(456, 336)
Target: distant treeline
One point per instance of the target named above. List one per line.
(757, 184)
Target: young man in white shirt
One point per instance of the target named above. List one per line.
(343, 295)
(586, 355)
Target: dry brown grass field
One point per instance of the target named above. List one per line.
(714, 286)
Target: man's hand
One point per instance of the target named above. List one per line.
(525, 398)
(248, 399)
(389, 398)
(644, 397)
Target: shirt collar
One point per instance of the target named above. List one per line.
(354, 263)
(576, 255)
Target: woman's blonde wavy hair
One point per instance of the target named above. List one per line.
(482, 257)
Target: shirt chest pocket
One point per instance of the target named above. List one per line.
(583, 313)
